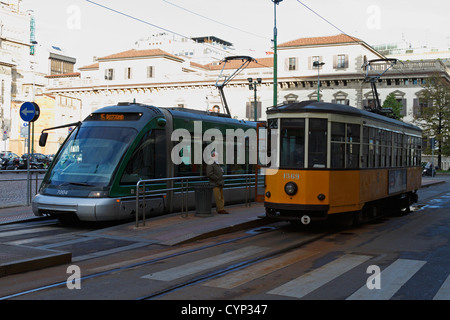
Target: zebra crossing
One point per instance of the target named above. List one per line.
(391, 277)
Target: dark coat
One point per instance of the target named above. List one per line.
(215, 174)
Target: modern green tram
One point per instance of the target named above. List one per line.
(95, 172)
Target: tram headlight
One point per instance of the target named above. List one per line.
(290, 188)
(98, 194)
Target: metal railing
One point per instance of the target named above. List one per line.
(13, 189)
(183, 187)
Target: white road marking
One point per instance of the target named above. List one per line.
(313, 280)
(392, 279)
(444, 291)
(204, 264)
(253, 272)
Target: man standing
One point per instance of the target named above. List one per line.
(215, 175)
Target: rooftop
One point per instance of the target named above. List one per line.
(337, 39)
(133, 53)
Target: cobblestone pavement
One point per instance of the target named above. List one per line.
(13, 188)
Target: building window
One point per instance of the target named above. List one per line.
(292, 64)
(128, 73)
(340, 61)
(150, 72)
(109, 74)
(341, 97)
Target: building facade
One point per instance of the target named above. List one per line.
(159, 78)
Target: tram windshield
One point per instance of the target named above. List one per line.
(292, 143)
(293, 140)
(90, 156)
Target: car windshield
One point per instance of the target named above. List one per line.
(90, 156)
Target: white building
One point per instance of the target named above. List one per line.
(15, 64)
(199, 49)
(156, 77)
(24, 63)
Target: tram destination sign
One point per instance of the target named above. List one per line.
(29, 111)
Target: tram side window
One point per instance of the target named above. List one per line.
(353, 141)
(292, 143)
(388, 148)
(371, 157)
(141, 165)
(418, 151)
(240, 161)
(317, 143)
(398, 149)
(188, 167)
(365, 155)
(337, 145)
(345, 139)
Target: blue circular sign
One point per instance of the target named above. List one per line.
(29, 111)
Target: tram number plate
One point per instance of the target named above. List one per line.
(291, 176)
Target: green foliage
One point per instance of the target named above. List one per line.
(395, 105)
(434, 113)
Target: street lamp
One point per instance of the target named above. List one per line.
(252, 86)
(317, 65)
(275, 55)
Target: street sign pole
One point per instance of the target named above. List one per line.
(28, 166)
(29, 112)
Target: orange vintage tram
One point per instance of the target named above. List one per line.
(333, 159)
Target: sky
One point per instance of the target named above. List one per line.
(87, 28)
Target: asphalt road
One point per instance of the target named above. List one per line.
(394, 258)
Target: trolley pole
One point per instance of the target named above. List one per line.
(275, 55)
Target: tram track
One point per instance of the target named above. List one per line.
(234, 267)
(317, 234)
(134, 265)
(271, 253)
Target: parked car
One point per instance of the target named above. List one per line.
(9, 161)
(38, 160)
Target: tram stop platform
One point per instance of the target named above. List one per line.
(167, 230)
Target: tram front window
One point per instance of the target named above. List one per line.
(292, 143)
(317, 147)
(90, 156)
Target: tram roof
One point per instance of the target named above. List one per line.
(150, 111)
(326, 107)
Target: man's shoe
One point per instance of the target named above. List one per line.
(223, 212)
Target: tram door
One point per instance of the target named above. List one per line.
(260, 183)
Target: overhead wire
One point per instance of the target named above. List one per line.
(343, 32)
(171, 31)
(216, 21)
(151, 24)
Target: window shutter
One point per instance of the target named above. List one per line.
(404, 109)
(415, 107)
(335, 62)
(250, 110)
(346, 61)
